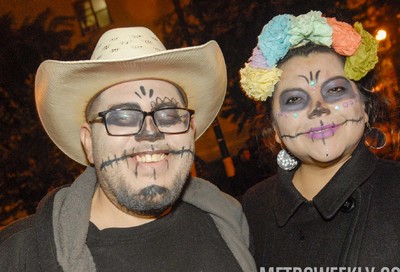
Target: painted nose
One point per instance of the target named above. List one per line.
(318, 111)
(149, 131)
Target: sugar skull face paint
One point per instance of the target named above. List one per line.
(142, 173)
(321, 121)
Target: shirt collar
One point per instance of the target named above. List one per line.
(331, 198)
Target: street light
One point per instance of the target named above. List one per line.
(384, 41)
(380, 35)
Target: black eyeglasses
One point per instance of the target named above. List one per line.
(124, 122)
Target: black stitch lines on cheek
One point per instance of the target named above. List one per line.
(183, 151)
(109, 162)
(345, 122)
(144, 93)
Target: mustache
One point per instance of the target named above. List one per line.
(323, 127)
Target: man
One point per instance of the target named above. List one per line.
(132, 114)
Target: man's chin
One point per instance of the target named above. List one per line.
(151, 201)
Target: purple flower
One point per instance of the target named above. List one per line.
(257, 59)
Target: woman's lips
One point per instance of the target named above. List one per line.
(322, 132)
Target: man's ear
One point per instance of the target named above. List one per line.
(86, 140)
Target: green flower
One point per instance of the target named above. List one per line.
(310, 27)
(365, 58)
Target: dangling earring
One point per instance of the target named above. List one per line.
(286, 161)
(374, 137)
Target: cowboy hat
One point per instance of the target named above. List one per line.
(63, 89)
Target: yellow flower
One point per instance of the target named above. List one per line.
(259, 83)
(365, 58)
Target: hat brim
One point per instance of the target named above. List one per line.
(63, 89)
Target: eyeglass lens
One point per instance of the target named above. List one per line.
(125, 122)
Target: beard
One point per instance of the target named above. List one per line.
(151, 200)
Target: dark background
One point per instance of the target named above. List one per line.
(31, 165)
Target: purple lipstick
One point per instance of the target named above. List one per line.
(322, 132)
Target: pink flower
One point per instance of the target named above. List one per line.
(345, 40)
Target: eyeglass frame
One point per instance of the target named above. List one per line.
(102, 116)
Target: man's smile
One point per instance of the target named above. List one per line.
(146, 156)
(150, 157)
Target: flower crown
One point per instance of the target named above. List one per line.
(285, 32)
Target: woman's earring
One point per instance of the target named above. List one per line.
(286, 161)
(374, 137)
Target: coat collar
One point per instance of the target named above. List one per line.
(332, 197)
(75, 200)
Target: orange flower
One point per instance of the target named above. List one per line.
(345, 40)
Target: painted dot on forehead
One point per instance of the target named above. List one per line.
(313, 79)
(337, 107)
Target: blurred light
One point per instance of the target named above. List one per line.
(380, 35)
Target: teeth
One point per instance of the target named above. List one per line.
(150, 157)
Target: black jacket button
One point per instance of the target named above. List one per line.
(348, 205)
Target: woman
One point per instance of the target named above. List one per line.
(333, 203)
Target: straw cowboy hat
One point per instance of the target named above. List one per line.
(63, 89)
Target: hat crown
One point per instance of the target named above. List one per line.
(125, 43)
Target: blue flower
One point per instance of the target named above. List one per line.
(274, 40)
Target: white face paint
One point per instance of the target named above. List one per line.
(319, 114)
(144, 173)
